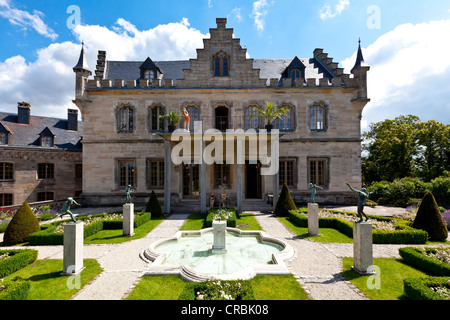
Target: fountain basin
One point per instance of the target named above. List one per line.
(191, 255)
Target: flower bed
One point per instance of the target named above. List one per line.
(218, 290)
(429, 288)
(13, 260)
(226, 213)
(386, 230)
(52, 234)
(435, 261)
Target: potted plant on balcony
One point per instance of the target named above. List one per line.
(270, 113)
(173, 119)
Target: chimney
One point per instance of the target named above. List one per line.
(72, 119)
(23, 112)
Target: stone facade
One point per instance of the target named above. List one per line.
(336, 143)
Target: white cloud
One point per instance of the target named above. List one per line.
(236, 13)
(26, 20)
(48, 83)
(259, 13)
(409, 73)
(327, 13)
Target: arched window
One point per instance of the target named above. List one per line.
(252, 121)
(125, 119)
(221, 64)
(156, 123)
(317, 118)
(149, 74)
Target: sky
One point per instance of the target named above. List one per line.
(405, 42)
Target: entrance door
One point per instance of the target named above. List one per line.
(191, 181)
(252, 180)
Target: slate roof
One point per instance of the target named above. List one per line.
(27, 136)
(269, 68)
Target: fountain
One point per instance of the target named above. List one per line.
(219, 252)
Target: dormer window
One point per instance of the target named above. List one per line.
(3, 139)
(149, 70)
(296, 74)
(221, 64)
(295, 70)
(47, 138)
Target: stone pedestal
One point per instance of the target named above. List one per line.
(219, 231)
(73, 248)
(362, 247)
(128, 219)
(313, 219)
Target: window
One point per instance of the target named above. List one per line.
(221, 64)
(46, 171)
(3, 139)
(193, 116)
(6, 199)
(221, 118)
(286, 172)
(6, 171)
(78, 171)
(156, 123)
(125, 119)
(222, 175)
(155, 173)
(317, 118)
(251, 118)
(318, 172)
(295, 74)
(286, 122)
(127, 173)
(46, 141)
(45, 196)
(149, 74)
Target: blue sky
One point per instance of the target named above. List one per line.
(400, 40)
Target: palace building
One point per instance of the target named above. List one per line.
(125, 142)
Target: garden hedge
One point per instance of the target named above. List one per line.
(47, 235)
(243, 292)
(17, 260)
(230, 222)
(420, 260)
(419, 288)
(21, 226)
(404, 236)
(15, 290)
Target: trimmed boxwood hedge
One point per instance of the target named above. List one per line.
(47, 235)
(17, 260)
(406, 235)
(419, 288)
(15, 290)
(230, 222)
(420, 260)
(245, 288)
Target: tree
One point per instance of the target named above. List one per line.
(154, 206)
(429, 218)
(21, 226)
(285, 203)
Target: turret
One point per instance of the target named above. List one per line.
(82, 74)
(359, 72)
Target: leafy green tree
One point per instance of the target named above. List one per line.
(389, 149)
(284, 203)
(21, 226)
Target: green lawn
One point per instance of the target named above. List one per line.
(265, 287)
(325, 234)
(391, 275)
(196, 221)
(47, 283)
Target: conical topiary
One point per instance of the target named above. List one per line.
(153, 206)
(285, 203)
(429, 218)
(21, 226)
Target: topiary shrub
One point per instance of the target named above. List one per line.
(285, 203)
(153, 206)
(429, 218)
(21, 226)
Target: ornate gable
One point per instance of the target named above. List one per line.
(221, 63)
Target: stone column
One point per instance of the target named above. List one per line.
(128, 219)
(313, 219)
(73, 248)
(362, 247)
(167, 165)
(239, 187)
(219, 231)
(202, 181)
